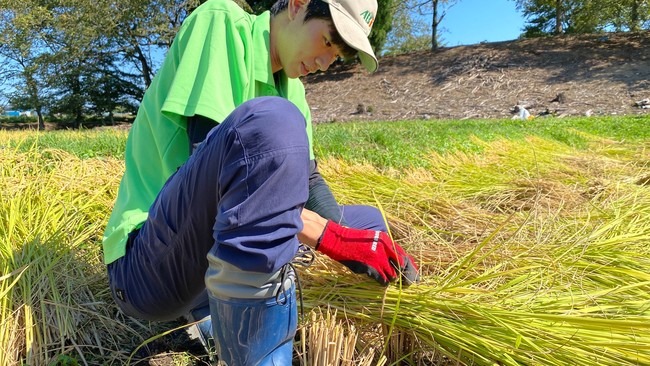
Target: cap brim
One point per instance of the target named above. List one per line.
(355, 37)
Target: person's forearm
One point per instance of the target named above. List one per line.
(313, 227)
(321, 200)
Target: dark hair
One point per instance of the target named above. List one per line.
(317, 9)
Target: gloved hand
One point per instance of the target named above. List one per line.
(367, 251)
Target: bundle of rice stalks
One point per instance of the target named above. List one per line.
(564, 300)
(328, 341)
(563, 282)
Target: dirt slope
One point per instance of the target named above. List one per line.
(566, 75)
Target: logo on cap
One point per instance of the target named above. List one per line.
(368, 17)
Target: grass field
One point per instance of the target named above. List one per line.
(533, 240)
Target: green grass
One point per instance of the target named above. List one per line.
(403, 144)
(84, 144)
(400, 144)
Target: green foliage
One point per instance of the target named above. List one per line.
(93, 87)
(64, 360)
(407, 44)
(579, 16)
(23, 56)
(19, 119)
(56, 51)
(112, 91)
(259, 6)
(547, 16)
(383, 24)
(626, 15)
(416, 26)
(409, 32)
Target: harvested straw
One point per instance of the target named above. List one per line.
(530, 252)
(328, 341)
(557, 302)
(54, 293)
(559, 277)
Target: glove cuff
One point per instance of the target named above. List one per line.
(327, 227)
(331, 231)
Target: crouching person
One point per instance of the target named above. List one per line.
(221, 186)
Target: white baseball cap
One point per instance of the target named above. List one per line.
(353, 20)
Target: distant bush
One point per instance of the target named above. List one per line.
(18, 119)
(67, 121)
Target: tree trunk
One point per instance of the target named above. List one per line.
(434, 27)
(559, 16)
(41, 121)
(144, 64)
(77, 105)
(634, 16)
(36, 104)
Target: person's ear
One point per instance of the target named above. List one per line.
(295, 6)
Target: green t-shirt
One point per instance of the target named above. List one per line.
(219, 59)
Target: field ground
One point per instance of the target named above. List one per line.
(531, 240)
(599, 74)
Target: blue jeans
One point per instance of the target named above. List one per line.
(238, 197)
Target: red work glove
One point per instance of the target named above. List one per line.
(367, 251)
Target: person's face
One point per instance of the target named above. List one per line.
(306, 47)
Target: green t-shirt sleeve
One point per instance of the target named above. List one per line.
(210, 67)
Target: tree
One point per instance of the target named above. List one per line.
(561, 16)
(410, 32)
(583, 16)
(57, 49)
(142, 29)
(32, 93)
(112, 89)
(437, 15)
(545, 16)
(24, 54)
(382, 25)
(408, 24)
(625, 15)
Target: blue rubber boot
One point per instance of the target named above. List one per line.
(202, 330)
(255, 332)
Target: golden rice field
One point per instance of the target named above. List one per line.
(532, 252)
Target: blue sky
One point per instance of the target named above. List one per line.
(475, 21)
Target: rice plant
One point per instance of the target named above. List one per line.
(55, 300)
(532, 252)
(529, 257)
